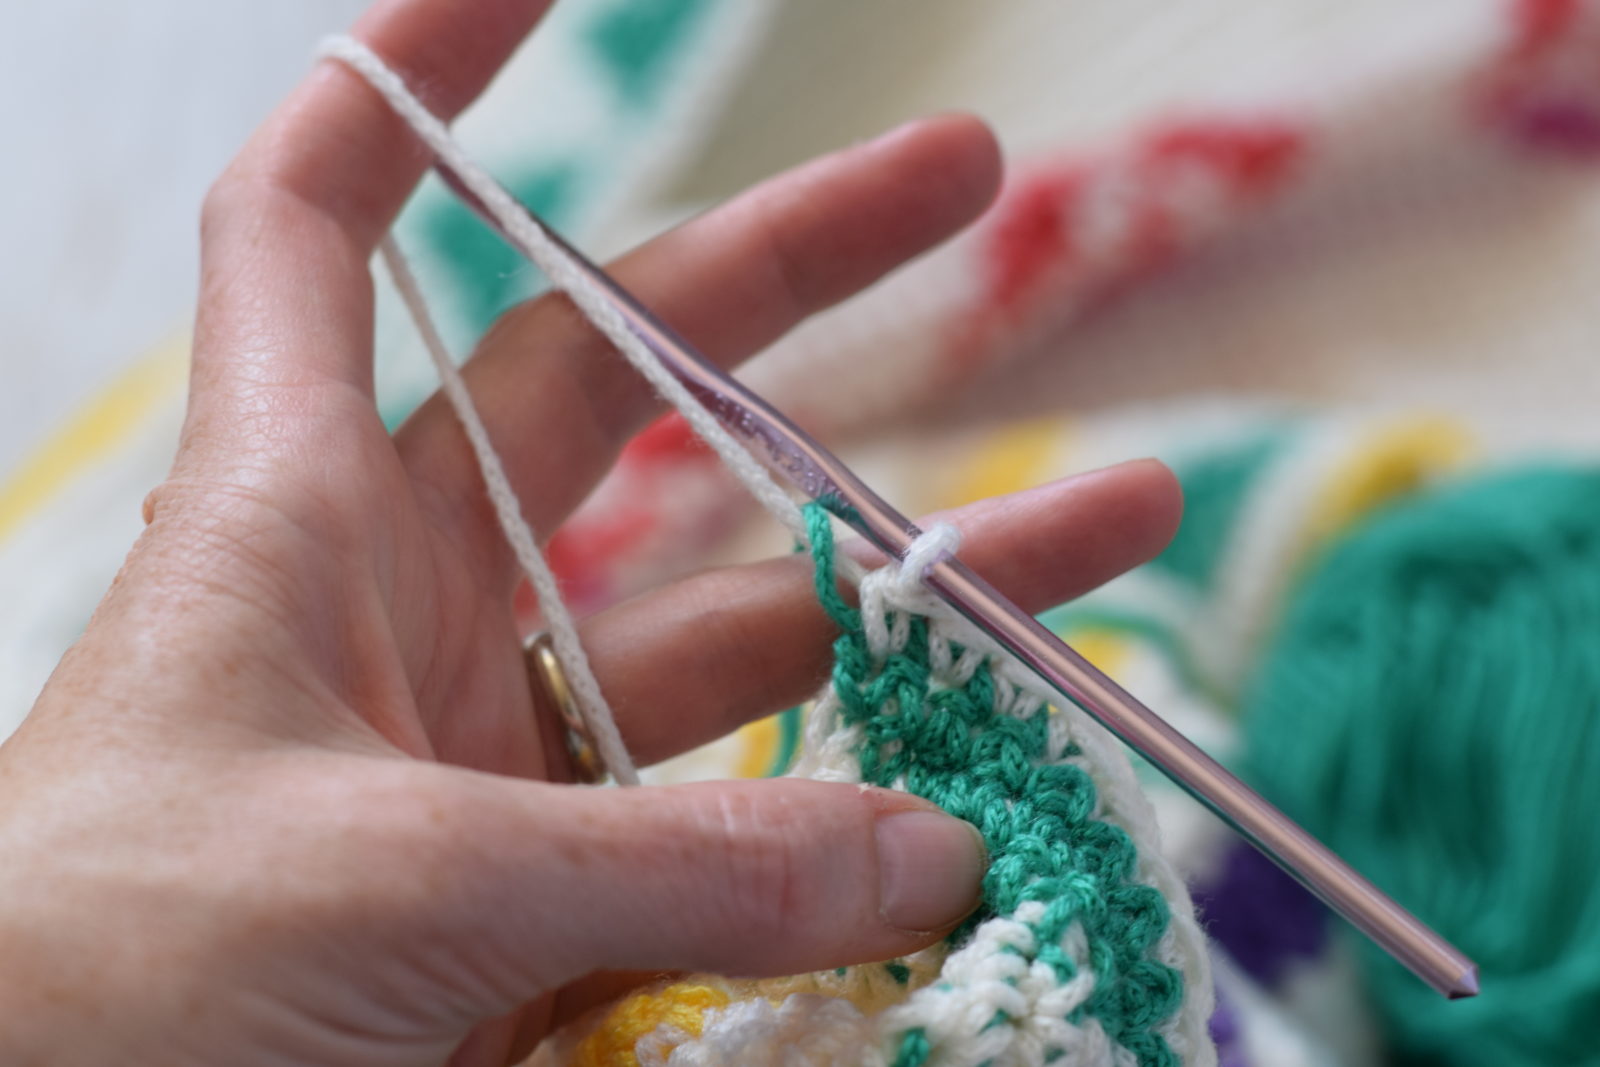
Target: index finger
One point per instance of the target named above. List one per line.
(337, 146)
(289, 229)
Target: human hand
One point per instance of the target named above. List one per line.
(289, 799)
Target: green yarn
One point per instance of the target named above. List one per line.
(1431, 709)
(1038, 820)
(637, 38)
(486, 276)
(788, 743)
(914, 1049)
(490, 276)
(1216, 486)
(824, 577)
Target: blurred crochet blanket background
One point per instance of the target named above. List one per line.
(1333, 261)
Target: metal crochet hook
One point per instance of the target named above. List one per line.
(817, 473)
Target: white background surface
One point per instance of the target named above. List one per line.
(117, 115)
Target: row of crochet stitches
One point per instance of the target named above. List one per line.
(933, 723)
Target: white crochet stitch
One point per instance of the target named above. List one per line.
(805, 1030)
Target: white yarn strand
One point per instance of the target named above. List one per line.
(558, 619)
(568, 277)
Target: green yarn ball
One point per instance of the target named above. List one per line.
(1430, 707)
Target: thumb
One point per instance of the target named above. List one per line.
(749, 878)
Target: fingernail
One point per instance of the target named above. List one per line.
(930, 868)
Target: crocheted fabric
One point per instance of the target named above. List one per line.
(1084, 950)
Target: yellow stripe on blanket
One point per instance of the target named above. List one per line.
(1015, 458)
(1395, 460)
(761, 740)
(94, 432)
(1108, 651)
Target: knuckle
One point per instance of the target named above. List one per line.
(226, 200)
(217, 541)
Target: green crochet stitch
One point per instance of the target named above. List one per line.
(952, 747)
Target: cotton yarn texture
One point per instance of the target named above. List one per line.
(1428, 704)
(1086, 950)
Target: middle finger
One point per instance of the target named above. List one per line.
(559, 403)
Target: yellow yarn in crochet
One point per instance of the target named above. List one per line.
(682, 1006)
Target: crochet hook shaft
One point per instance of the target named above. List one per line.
(817, 473)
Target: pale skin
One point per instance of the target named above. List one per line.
(290, 800)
